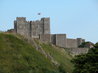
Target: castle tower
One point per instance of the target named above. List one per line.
(33, 28)
(59, 40)
(21, 26)
(46, 25)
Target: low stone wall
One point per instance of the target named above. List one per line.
(45, 37)
(78, 51)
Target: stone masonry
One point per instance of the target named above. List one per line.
(32, 28)
(41, 29)
(59, 40)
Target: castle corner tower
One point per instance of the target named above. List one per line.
(46, 25)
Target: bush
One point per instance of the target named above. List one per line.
(87, 63)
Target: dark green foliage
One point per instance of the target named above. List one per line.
(85, 45)
(62, 69)
(96, 45)
(87, 63)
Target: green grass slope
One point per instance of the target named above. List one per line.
(60, 55)
(18, 56)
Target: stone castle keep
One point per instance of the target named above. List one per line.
(41, 29)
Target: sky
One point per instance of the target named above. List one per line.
(76, 18)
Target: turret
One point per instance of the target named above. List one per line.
(46, 25)
(22, 27)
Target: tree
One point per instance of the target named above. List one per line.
(87, 63)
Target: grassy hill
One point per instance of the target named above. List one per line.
(19, 56)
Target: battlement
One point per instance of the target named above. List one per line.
(45, 18)
(21, 18)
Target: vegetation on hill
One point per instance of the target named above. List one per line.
(60, 55)
(86, 45)
(87, 63)
(18, 56)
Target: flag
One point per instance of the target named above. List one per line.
(39, 13)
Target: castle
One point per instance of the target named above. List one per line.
(41, 29)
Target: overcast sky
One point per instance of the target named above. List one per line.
(76, 18)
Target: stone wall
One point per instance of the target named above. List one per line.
(53, 39)
(45, 38)
(35, 29)
(60, 40)
(71, 43)
(78, 51)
